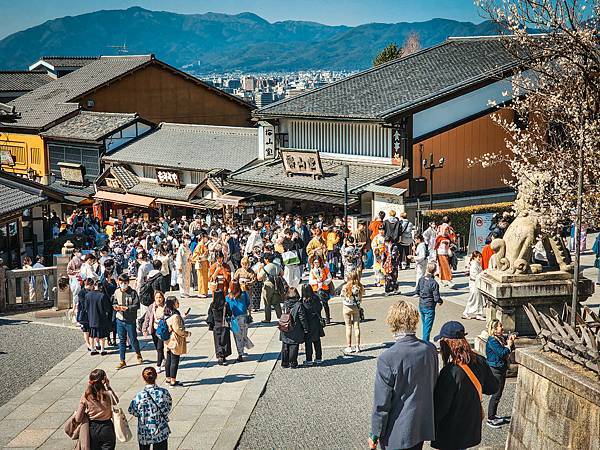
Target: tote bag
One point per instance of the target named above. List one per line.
(122, 430)
(290, 258)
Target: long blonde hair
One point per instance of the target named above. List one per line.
(353, 280)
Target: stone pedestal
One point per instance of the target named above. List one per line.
(64, 298)
(508, 293)
(556, 406)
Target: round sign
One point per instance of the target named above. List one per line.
(479, 222)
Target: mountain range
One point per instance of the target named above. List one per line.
(212, 42)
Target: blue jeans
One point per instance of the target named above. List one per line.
(427, 317)
(125, 329)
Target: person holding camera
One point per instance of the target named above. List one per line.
(498, 350)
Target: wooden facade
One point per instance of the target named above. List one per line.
(459, 144)
(163, 94)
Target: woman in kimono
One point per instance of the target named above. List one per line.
(219, 315)
(183, 263)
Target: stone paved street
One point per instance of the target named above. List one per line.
(329, 407)
(317, 407)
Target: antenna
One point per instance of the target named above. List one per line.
(120, 48)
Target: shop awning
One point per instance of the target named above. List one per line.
(196, 203)
(125, 199)
(290, 194)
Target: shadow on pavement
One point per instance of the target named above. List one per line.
(218, 380)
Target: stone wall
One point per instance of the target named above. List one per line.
(557, 404)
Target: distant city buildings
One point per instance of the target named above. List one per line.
(264, 89)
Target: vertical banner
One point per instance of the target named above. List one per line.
(480, 228)
(266, 140)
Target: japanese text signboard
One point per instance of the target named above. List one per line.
(167, 177)
(304, 162)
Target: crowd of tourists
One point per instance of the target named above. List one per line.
(126, 286)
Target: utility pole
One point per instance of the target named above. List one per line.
(431, 166)
(346, 173)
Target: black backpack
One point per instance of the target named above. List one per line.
(147, 294)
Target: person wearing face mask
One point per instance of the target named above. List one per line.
(183, 263)
(126, 303)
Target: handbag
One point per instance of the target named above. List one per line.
(290, 257)
(122, 430)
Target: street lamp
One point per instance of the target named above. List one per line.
(431, 166)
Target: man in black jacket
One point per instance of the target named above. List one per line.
(126, 303)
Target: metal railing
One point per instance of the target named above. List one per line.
(23, 289)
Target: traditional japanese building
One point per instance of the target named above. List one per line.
(24, 207)
(382, 123)
(117, 84)
(75, 148)
(176, 167)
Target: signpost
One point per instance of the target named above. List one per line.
(479, 231)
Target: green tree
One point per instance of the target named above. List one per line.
(391, 52)
(412, 44)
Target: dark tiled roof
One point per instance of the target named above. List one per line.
(386, 90)
(126, 177)
(22, 80)
(90, 126)
(155, 190)
(17, 194)
(51, 101)
(191, 147)
(79, 191)
(271, 174)
(68, 61)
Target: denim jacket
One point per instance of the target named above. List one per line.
(428, 291)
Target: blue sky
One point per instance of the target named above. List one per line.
(21, 14)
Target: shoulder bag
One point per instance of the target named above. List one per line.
(122, 430)
(476, 385)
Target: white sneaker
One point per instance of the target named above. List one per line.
(357, 349)
(347, 350)
(480, 317)
(159, 369)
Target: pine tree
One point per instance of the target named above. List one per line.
(391, 52)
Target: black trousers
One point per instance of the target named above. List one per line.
(164, 445)
(309, 345)
(289, 355)
(172, 365)
(102, 435)
(404, 251)
(159, 344)
(500, 375)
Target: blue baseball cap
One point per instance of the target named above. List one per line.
(451, 330)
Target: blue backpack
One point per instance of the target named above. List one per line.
(162, 331)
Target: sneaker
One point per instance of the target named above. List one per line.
(317, 362)
(466, 317)
(240, 358)
(103, 353)
(505, 419)
(496, 422)
(347, 350)
(140, 360)
(160, 369)
(357, 349)
(480, 317)
(121, 365)
(93, 353)
(308, 363)
(285, 366)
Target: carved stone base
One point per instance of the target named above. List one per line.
(508, 293)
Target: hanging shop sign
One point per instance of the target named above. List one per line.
(302, 162)
(72, 172)
(266, 137)
(168, 177)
